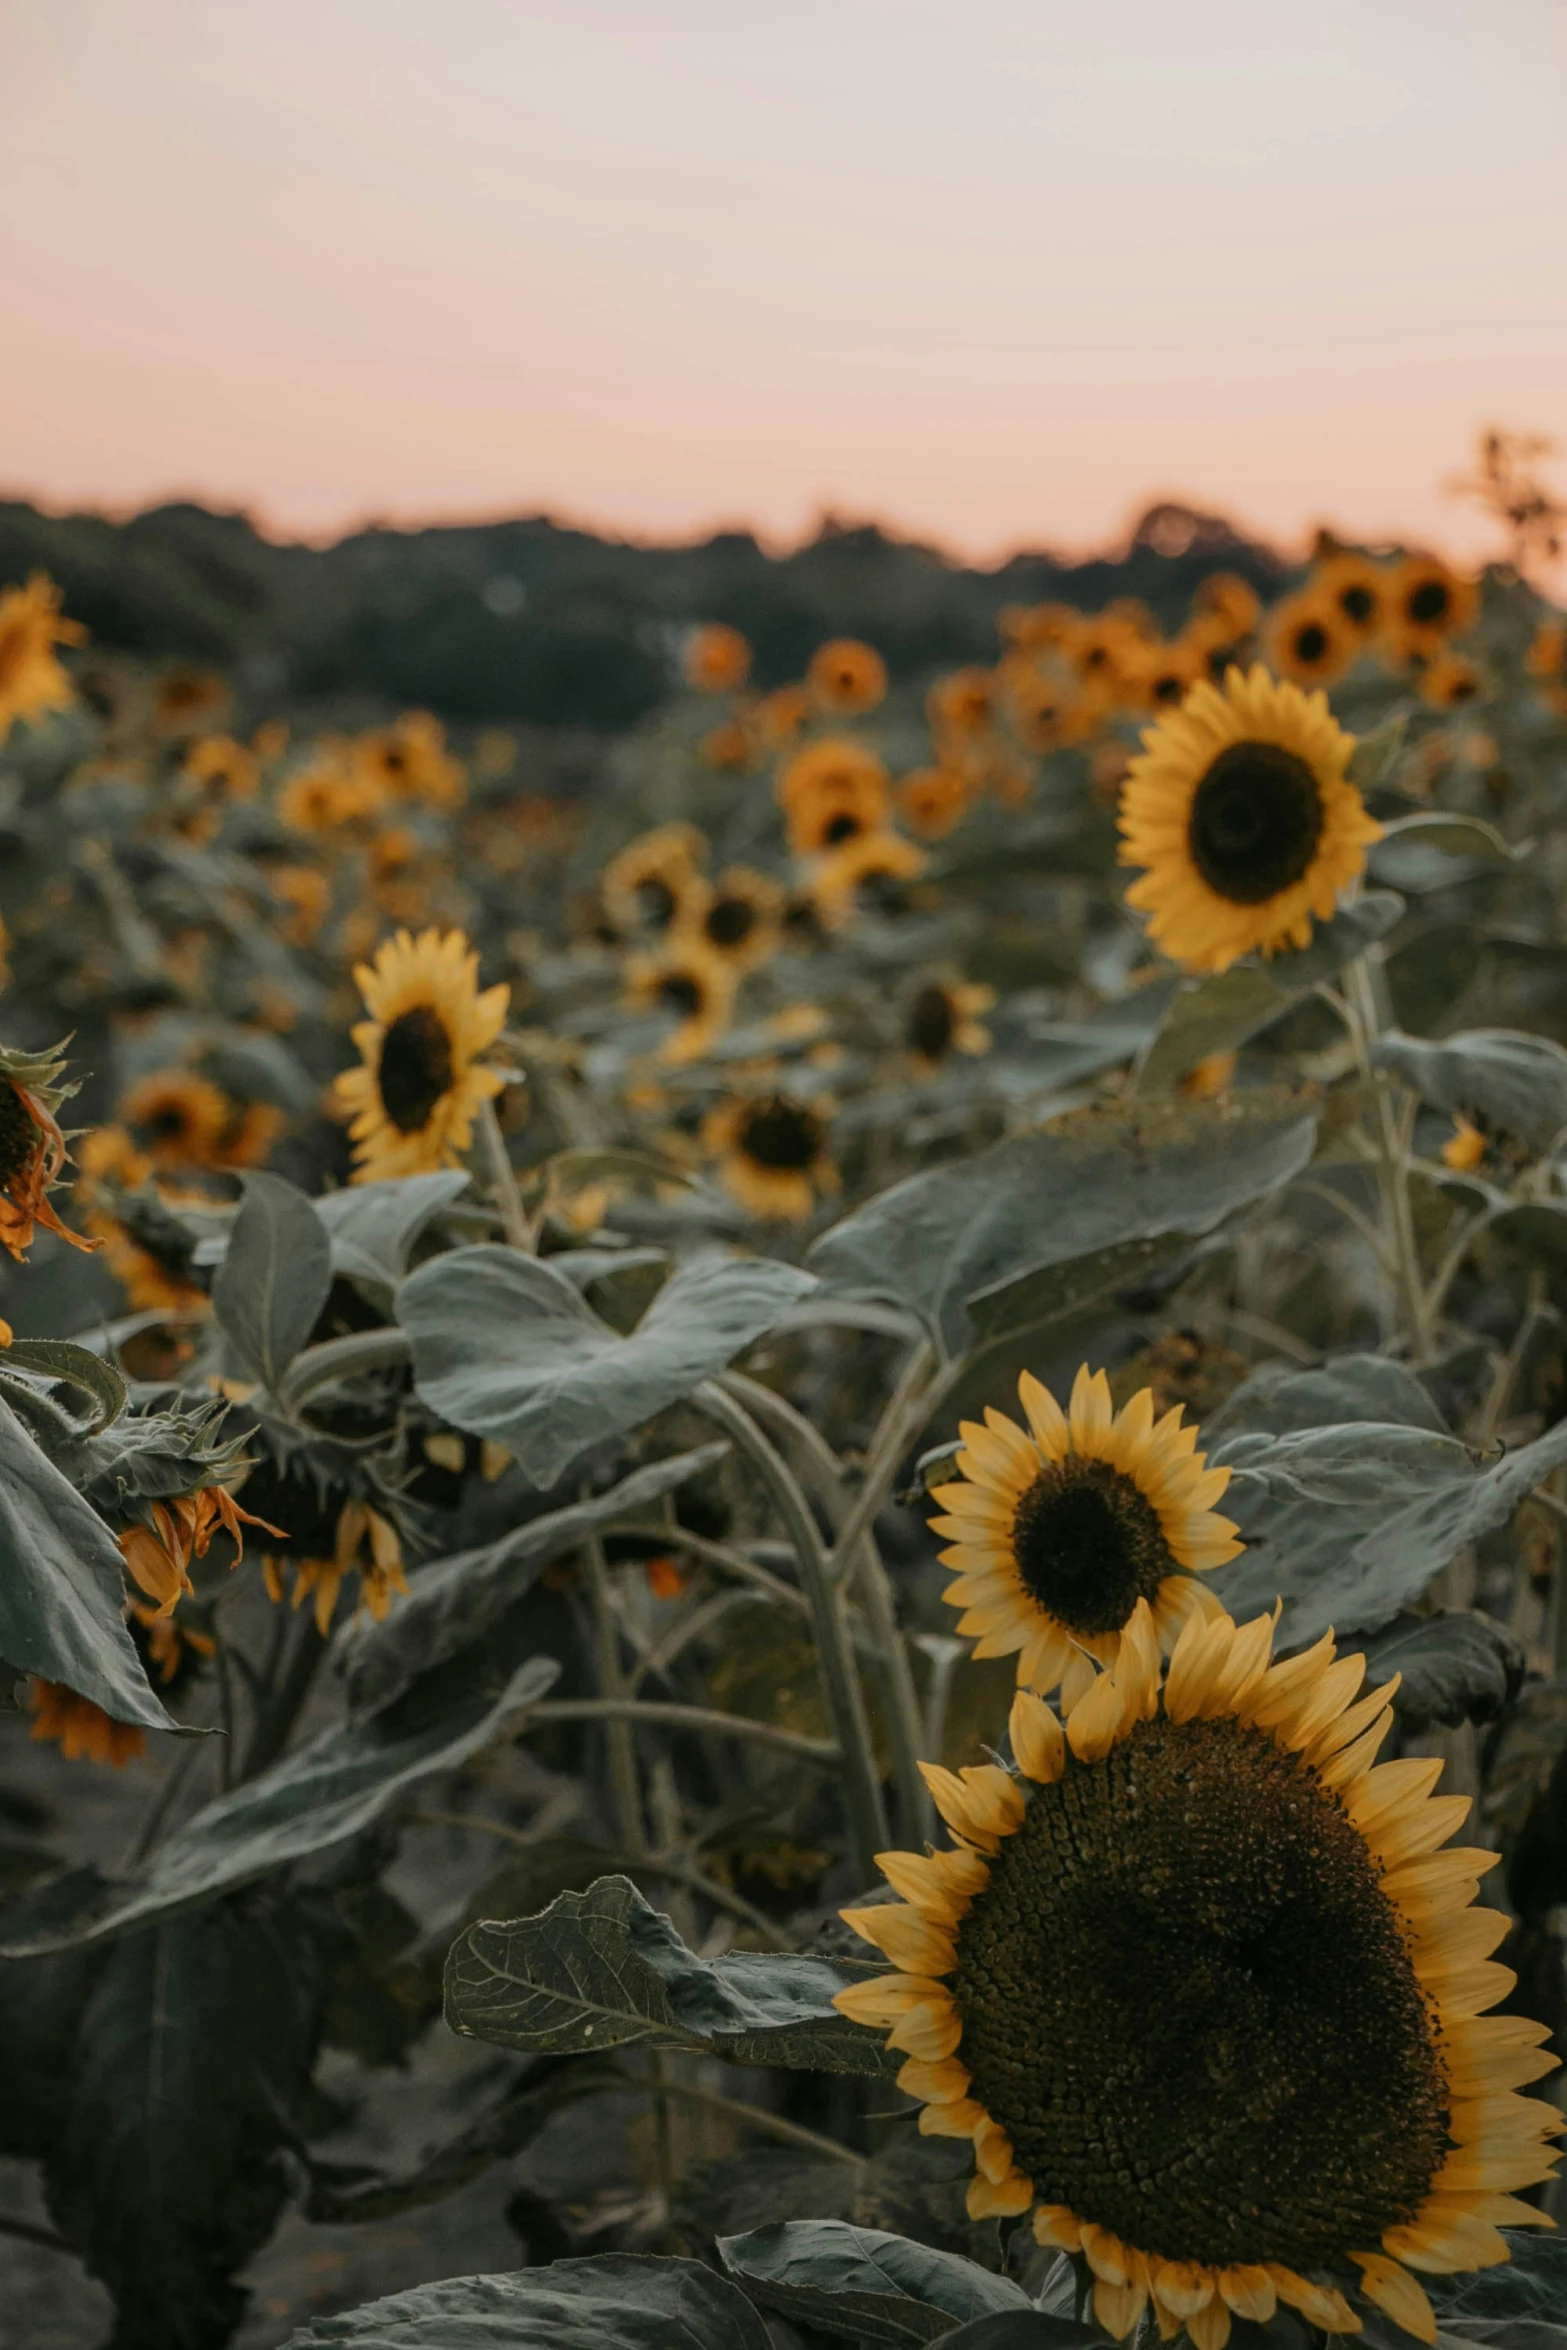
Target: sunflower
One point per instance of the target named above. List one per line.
(81, 1729)
(879, 857)
(1060, 1528)
(1048, 712)
(186, 700)
(730, 747)
(158, 1549)
(1465, 1147)
(329, 793)
(961, 704)
(1353, 587)
(1546, 662)
(180, 1118)
(846, 677)
(932, 800)
(1105, 654)
(1203, 1992)
(693, 982)
(1307, 642)
(738, 918)
(1447, 681)
(31, 625)
(772, 1154)
(1240, 809)
(943, 1018)
(1039, 628)
(779, 716)
(32, 1148)
(420, 1081)
(1426, 604)
(1225, 609)
(1159, 675)
(643, 888)
(409, 761)
(222, 768)
(716, 660)
(364, 1543)
(831, 792)
(307, 893)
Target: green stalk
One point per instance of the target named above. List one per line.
(1392, 1159)
(618, 1730)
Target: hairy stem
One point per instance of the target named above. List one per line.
(501, 1180)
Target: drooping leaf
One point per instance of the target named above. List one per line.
(274, 1279)
(862, 2283)
(182, 2090)
(456, 1601)
(604, 1969)
(78, 1367)
(372, 1226)
(1517, 1082)
(618, 2301)
(1048, 1220)
(1217, 1015)
(62, 1586)
(1456, 1666)
(1450, 830)
(1348, 1524)
(506, 1347)
(333, 1787)
(571, 1171)
(1532, 2284)
(1277, 1400)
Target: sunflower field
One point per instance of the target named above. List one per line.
(778, 1548)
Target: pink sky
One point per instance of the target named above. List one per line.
(997, 273)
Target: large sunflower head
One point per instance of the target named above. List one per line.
(1060, 1529)
(692, 983)
(1205, 1992)
(846, 677)
(1241, 812)
(31, 626)
(644, 888)
(832, 792)
(420, 1081)
(772, 1153)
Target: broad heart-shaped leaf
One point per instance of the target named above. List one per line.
(604, 1969)
(1071, 1209)
(1348, 1524)
(506, 1347)
(184, 2086)
(863, 2283)
(455, 1602)
(1517, 1082)
(1215, 1015)
(372, 1226)
(1276, 1401)
(1456, 1666)
(618, 2301)
(334, 1787)
(274, 1279)
(62, 1586)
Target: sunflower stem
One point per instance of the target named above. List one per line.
(1363, 998)
(821, 1752)
(868, 1832)
(501, 1180)
(611, 1681)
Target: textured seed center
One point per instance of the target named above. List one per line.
(841, 828)
(416, 1067)
(1357, 604)
(1188, 2003)
(19, 1136)
(931, 1023)
(782, 1135)
(730, 921)
(1255, 823)
(1089, 1544)
(1429, 603)
(681, 993)
(1311, 642)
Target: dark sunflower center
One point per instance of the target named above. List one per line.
(730, 921)
(1255, 822)
(171, 1123)
(1311, 642)
(782, 1135)
(680, 992)
(1169, 686)
(655, 902)
(1357, 603)
(19, 1136)
(416, 1067)
(1188, 2003)
(840, 828)
(1089, 1544)
(1429, 602)
(931, 1023)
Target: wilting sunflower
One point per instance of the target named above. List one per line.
(716, 660)
(363, 1543)
(31, 625)
(1426, 604)
(846, 676)
(82, 1730)
(32, 1148)
(943, 1019)
(932, 800)
(420, 1080)
(1241, 811)
(772, 1154)
(1354, 587)
(739, 917)
(159, 1548)
(1060, 1528)
(1203, 1991)
(832, 791)
(643, 888)
(872, 861)
(689, 980)
(1308, 642)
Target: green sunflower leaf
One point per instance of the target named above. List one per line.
(506, 1347)
(863, 2283)
(372, 1226)
(618, 2301)
(1216, 1015)
(604, 1969)
(335, 1786)
(1049, 1220)
(275, 1276)
(1276, 1401)
(1455, 1666)
(1515, 1081)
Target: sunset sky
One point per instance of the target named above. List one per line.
(996, 273)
